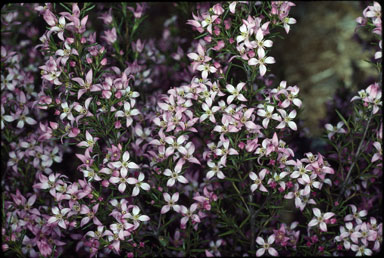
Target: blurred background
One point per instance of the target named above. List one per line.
(322, 54)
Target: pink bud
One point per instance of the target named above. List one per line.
(57, 112)
(104, 61)
(336, 203)
(74, 132)
(72, 63)
(118, 94)
(121, 52)
(115, 173)
(58, 101)
(208, 38)
(227, 24)
(4, 247)
(251, 53)
(105, 183)
(89, 60)
(130, 255)
(53, 125)
(117, 124)
(333, 220)
(102, 49)
(241, 145)
(83, 40)
(70, 40)
(160, 188)
(231, 41)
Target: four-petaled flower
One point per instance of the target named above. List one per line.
(175, 175)
(266, 246)
(320, 219)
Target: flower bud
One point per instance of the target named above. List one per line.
(105, 183)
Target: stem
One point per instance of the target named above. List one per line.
(241, 197)
(252, 220)
(356, 158)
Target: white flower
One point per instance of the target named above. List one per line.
(138, 184)
(175, 175)
(125, 164)
(261, 61)
(235, 93)
(334, 129)
(128, 113)
(171, 203)
(286, 119)
(258, 181)
(266, 246)
(59, 216)
(215, 170)
(320, 219)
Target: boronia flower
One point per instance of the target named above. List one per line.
(261, 61)
(258, 180)
(320, 219)
(175, 175)
(59, 217)
(235, 92)
(171, 203)
(266, 246)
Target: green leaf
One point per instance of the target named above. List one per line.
(227, 233)
(343, 119)
(66, 7)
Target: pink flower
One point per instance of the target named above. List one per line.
(89, 215)
(110, 36)
(266, 246)
(87, 85)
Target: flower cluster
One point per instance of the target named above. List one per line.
(120, 145)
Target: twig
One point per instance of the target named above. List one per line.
(356, 158)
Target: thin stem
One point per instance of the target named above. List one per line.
(252, 221)
(356, 158)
